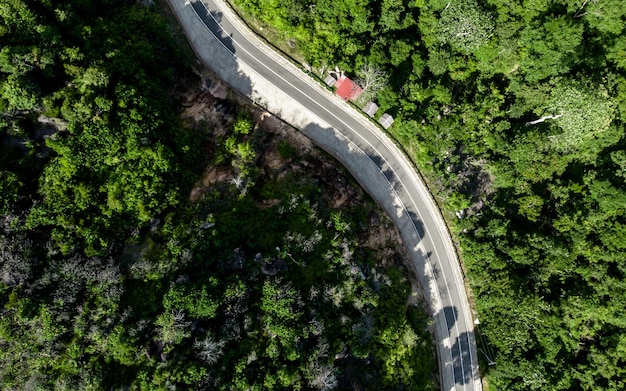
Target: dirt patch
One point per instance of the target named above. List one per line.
(211, 176)
(273, 160)
(272, 124)
(200, 107)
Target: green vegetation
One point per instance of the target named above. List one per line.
(111, 278)
(514, 110)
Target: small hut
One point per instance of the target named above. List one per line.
(386, 121)
(330, 80)
(370, 108)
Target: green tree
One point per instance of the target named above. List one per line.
(19, 92)
(582, 111)
(465, 26)
(551, 46)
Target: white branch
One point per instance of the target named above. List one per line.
(545, 117)
(578, 14)
(371, 79)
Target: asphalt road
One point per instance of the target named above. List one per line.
(224, 45)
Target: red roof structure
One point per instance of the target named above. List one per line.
(347, 89)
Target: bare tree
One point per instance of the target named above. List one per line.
(15, 263)
(324, 376)
(208, 349)
(372, 79)
(579, 13)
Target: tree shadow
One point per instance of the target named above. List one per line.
(459, 348)
(395, 184)
(461, 362)
(215, 48)
(212, 21)
(450, 313)
(419, 226)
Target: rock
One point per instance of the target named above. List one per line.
(154, 224)
(206, 225)
(217, 90)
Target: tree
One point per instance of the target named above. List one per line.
(465, 26)
(438, 62)
(551, 46)
(393, 15)
(10, 186)
(208, 349)
(20, 93)
(372, 79)
(243, 124)
(619, 159)
(173, 327)
(581, 110)
(607, 15)
(324, 377)
(617, 52)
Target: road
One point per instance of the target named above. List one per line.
(227, 47)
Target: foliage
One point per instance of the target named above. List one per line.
(464, 25)
(112, 143)
(586, 114)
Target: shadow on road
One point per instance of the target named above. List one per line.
(419, 226)
(212, 20)
(450, 313)
(374, 175)
(461, 360)
(212, 45)
(396, 184)
(460, 349)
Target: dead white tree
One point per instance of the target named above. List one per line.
(324, 376)
(545, 117)
(578, 13)
(371, 79)
(208, 349)
(15, 264)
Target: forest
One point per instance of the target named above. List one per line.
(513, 111)
(155, 237)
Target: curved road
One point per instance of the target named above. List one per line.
(226, 46)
